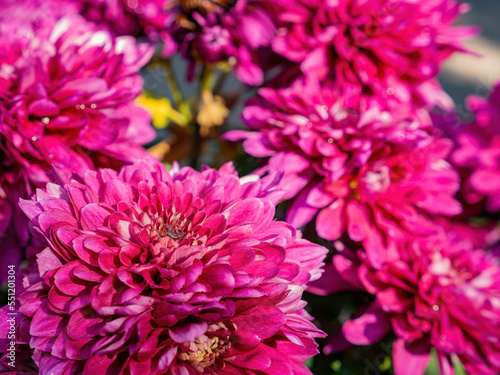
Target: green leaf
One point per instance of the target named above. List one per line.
(386, 365)
(458, 367)
(336, 366)
(433, 368)
(309, 363)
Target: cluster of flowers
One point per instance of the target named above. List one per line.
(131, 268)
(441, 293)
(135, 269)
(477, 155)
(146, 271)
(238, 32)
(67, 92)
(368, 167)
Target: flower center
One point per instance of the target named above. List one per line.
(173, 228)
(203, 352)
(175, 231)
(186, 9)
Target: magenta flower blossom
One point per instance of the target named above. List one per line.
(239, 32)
(145, 272)
(477, 154)
(69, 98)
(138, 17)
(115, 15)
(41, 14)
(434, 293)
(391, 49)
(377, 175)
(392, 197)
(66, 100)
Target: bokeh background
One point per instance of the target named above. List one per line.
(466, 74)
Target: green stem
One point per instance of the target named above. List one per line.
(206, 85)
(172, 83)
(207, 79)
(178, 117)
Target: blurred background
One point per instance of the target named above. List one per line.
(461, 75)
(468, 74)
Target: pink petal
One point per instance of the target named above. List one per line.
(93, 216)
(257, 359)
(255, 146)
(273, 317)
(331, 282)
(220, 278)
(47, 261)
(410, 358)
(300, 213)
(486, 181)
(246, 211)
(188, 332)
(53, 216)
(357, 220)
(331, 221)
(101, 365)
(43, 108)
(116, 191)
(316, 63)
(84, 324)
(369, 328)
(318, 198)
(46, 323)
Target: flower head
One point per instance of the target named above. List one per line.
(18, 16)
(477, 154)
(136, 18)
(391, 49)
(116, 16)
(440, 293)
(236, 31)
(66, 100)
(378, 175)
(182, 274)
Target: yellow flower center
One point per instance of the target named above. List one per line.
(204, 351)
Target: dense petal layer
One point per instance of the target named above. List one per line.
(183, 273)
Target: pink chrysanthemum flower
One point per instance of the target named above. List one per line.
(138, 17)
(392, 49)
(237, 31)
(478, 151)
(42, 14)
(377, 175)
(69, 98)
(66, 99)
(314, 128)
(392, 197)
(439, 293)
(115, 15)
(151, 273)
